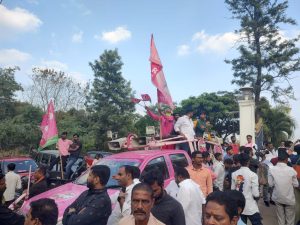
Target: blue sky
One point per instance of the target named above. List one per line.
(192, 37)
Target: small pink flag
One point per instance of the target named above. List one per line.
(158, 77)
(48, 127)
(146, 97)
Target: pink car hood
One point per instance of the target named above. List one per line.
(63, 195)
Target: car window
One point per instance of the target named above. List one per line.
(114, 165)
(22, 165)
(179, 160)
(159, 164)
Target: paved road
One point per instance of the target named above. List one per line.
(268, 214)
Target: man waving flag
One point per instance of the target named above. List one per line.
(158, 77)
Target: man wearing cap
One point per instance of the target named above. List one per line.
(185, 127)
(283, 178)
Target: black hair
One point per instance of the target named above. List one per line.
(64, 133)
(11, 166)
(235, 159)
(228, 161)
(244, 158)
(242, 149)
(2, 176)
(288, 144)
(217, 155)
(98, 155)
(181, 171)
(136, 172)
(75, 135)
(229, 148)
(188, 109)
(144, 187)
(282, 154)
(297, 149)
(101, 171)
(205, 154)
(43, 170)
(154, 176)
(45, 210)
(232, 136)
(238, 197)
(195, 153)
(248, 136)
(129, 170)
(248, 150)
(223, 199)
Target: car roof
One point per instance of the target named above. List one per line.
(53, 152)
(15, 158)
(142, 154)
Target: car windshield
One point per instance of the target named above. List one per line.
(22, 165)
(114, 165)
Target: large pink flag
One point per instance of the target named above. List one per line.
(158, 77)
(48, 127)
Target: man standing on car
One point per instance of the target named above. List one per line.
(125, 178)
(185, 127)
(74, 150)
(63, 146)
(166, 209)
(13, 183)
(93, 206)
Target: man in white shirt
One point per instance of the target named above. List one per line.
(13, 183)
(126, 179)
(219, 170)
(190, 196)
(284, 179)
(185, 127)
(246, 181)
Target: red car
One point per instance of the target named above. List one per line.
(23, 164)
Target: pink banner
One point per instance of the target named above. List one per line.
(48, 127)
(158, 77)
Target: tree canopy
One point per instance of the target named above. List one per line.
(267, 57)
(109, 100)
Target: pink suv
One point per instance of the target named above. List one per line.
(146, 160)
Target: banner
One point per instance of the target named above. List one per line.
(158, 77)
(48, 127)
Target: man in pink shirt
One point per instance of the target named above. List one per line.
(166, 119)
(62, 145)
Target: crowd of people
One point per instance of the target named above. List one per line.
(220, 187)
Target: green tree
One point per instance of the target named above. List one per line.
(221, 109)
(267, 58)
(8, 88)
(276, 122)
(109, 101)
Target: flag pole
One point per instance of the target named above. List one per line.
(29, 178)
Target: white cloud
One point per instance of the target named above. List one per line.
(115, 36)
(183, 50)
(77, 37)
(12, 57)
(219, 43)
(53, 64)
(78, 77)
(17, 21)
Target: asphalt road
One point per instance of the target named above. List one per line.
(268, 213)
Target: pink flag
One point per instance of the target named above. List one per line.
(146, 97)
(48, 127)
(158, 77)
